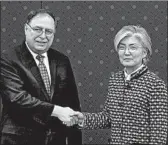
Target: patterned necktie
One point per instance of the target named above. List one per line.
(44, 73)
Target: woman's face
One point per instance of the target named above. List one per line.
(131, 52)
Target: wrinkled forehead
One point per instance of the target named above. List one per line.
(43, 20)
(40, 16)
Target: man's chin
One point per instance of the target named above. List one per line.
(41, 49)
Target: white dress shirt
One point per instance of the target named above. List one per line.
(46, 62)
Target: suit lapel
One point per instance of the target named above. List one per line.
(30, 63)
(52, 63)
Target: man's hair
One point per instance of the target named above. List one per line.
(34, 13)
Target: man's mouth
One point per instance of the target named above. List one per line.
(43, 42)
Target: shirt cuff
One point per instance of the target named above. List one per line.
(54, 110)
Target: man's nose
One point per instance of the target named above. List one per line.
(43, 34)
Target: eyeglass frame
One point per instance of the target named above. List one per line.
(41, 30)
(131, 48)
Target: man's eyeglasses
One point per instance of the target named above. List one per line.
(40, 30)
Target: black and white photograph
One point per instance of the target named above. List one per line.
(83, 72)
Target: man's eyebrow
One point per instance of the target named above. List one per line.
(37, 27)
(121, 44)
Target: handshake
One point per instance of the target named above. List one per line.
(68, 116)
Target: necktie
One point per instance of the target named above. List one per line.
(44, 73)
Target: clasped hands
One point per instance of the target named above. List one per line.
(68, 116)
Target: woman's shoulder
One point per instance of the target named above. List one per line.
(118, 74)
(116, 77)
(153, 78)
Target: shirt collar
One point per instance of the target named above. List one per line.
(128, 76)
(33, 53)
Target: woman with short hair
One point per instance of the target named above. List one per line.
(136, 107)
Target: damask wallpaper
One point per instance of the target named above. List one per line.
(85, 33)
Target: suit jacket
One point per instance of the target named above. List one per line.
(26, 105)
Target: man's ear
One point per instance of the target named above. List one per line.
(25, 27)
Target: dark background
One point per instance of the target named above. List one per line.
(85, 33)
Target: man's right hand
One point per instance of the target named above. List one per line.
(63, 113)
(76, 119)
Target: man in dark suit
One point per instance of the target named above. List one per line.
(38, 89)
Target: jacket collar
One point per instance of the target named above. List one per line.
(139, 72)
(29, 62)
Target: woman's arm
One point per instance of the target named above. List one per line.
(158, 113)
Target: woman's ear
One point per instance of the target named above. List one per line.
(145, 56)
(144, 53)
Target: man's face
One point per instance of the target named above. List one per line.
(40, 33)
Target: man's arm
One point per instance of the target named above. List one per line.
(14, 95)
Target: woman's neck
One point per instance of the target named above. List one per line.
(130, 70)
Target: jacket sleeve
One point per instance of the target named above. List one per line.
(98, 120)
(158, 113)
(13, 94)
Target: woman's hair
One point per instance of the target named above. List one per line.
(138, 32)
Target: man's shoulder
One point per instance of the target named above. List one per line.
(10, 52)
